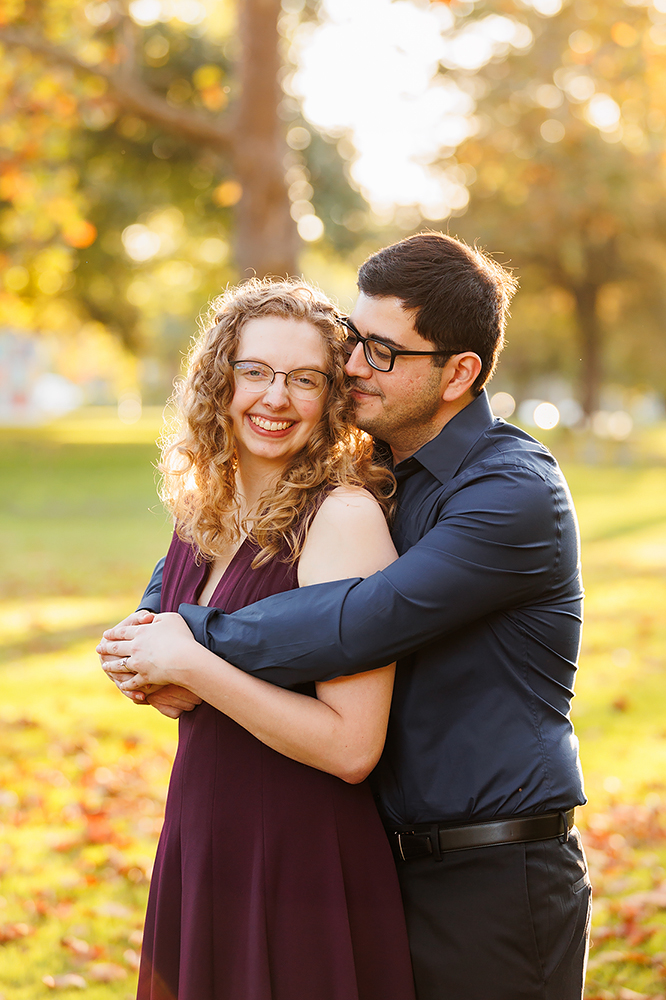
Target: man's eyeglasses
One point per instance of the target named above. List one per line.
(301, 383)
(379, 355)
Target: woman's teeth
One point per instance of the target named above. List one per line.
(271, 425)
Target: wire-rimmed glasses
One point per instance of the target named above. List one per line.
(301, 383)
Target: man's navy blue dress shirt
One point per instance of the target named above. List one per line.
(483, 613)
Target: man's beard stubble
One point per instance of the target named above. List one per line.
(405, 425)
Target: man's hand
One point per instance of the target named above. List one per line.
(168, 699)
(114, 666)
(156, 651)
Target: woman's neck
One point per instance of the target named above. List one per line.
(253, 480)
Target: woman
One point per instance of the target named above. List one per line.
(273, 878)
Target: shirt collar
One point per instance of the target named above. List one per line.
(443, 456)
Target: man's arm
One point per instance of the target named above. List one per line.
(503, 540)
(153, 592)
(170, 700)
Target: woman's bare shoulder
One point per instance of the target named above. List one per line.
(348, 537)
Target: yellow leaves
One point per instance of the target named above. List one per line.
(92, 52)
(131, 128)
(624, 34)
(15, 278)
(10, 10)
(16, 186)
(80, 234)
(214, 98)
(156, 50)
(206, 76)
(207, 80)
(227, 193)
(492, 176)
(582, 42)
(179, 92)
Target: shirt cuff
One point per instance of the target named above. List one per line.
(151, 604)
(196, 617)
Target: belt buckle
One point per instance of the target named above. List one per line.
(399, 835)
(411, 833)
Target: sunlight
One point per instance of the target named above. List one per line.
(23, 620)
(416, 116)
(398, 128)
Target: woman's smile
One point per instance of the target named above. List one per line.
(269, 424)
(272, 426)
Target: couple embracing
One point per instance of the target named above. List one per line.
(274, 626)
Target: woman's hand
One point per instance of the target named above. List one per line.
(156, 652)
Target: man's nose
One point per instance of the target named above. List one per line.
(357, 366)
(276, 395)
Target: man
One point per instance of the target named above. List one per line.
(480, 772)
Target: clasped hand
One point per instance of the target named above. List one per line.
(143, 655)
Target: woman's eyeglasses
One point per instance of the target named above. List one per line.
(301, 383)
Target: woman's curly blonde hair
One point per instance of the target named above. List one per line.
(199, 459)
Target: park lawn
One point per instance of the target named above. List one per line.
(83, 772)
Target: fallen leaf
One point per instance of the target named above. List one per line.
(107, 972)
(65, 982)
(112, 909)
(10, 932)
(77, 946)
(607, 956)
(132, 958)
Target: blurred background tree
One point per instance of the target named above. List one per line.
(154, 150)
(570, 184)
(145, 164)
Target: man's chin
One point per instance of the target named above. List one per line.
(366, 423)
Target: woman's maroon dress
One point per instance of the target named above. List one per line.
(273, 881)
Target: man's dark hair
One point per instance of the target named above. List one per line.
(462, 295)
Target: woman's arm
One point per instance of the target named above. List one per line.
(342, 731)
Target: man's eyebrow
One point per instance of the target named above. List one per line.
(380, 336)
(387, 340)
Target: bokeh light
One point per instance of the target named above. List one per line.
(502, 404)
(546, 416)
(140, 243)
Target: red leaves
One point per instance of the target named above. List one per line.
(10, 932)
(626, 848)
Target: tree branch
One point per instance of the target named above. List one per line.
(131, 94)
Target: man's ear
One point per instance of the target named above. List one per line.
(464, 369)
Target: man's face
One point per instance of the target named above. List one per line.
(403, 407)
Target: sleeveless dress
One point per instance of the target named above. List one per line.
(273, 880)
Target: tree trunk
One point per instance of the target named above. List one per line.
(589, 335)
(266, 237)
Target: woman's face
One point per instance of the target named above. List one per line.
(271, 425)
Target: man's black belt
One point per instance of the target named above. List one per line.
(432, 840)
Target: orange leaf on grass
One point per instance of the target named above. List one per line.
(10, 932)
(65, 982)
(107, 972)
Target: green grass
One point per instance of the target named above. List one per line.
(83, 772)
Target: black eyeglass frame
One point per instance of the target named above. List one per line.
(394, 351)
(262, 364)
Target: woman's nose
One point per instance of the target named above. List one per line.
(276, 394)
